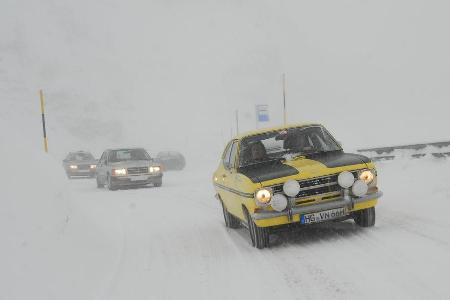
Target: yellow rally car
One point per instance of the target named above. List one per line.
(293, 175)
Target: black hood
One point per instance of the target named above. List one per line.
(276, 169)
(267, 170)
(336, 159)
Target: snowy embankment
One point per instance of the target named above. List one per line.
(48, 246)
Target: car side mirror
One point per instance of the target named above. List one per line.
(339, 143)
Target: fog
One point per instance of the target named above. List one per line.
(170, 74)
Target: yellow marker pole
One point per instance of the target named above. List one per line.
(43, 121)
(284, 99)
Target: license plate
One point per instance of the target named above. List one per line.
(138, 178)
(323, 216)
(83, 171)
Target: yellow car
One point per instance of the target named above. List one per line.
(295, 174)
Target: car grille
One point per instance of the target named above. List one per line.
(84, 167)
(138, 170)
(315, 186)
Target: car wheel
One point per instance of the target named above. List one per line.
(157, 184)
(259, 235)
(230, 220)
(99, 184)
(109, 184)
(365, 217)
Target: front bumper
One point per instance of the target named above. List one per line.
(136, 180)
(81, 173)
(293, 215)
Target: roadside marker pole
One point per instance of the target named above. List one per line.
(41, 94)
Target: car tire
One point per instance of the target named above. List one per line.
(99, 184)
(258, 235)
(230, 220)
(365, 217)
(157, 184)
(109, 184)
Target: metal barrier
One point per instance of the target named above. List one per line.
(436, 150)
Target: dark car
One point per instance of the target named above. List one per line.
(80, 164)
(171, 160)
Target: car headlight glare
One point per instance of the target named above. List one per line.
(120, 172)
(73, 167)
(367, 176)
(263, 196)
(154, 169)
(346, 179)
(93, 166)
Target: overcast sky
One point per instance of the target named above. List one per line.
(135, 72)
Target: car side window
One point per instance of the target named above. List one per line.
(226, 156)
(233, 153)
(103, 157)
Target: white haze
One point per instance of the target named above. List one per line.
(170, 74)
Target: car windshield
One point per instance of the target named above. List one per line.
(128, 154)
(81, 156)
(286, 144)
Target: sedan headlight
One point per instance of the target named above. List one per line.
(93, 166)
(367, 176)
(154, 169)
(73, 167)
(263, 196)
(119, 172)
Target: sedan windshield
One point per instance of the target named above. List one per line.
(80, 156)
(128, 154)
(285, 144)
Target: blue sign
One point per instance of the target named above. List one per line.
(262, 113)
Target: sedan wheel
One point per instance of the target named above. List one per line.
(99, 184)
(230, 220)
(109, 184)
(365, 217)
(259, 235)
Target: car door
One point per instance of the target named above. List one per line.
(229, 179)
(101, 167)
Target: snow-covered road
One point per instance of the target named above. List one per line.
(171, 243)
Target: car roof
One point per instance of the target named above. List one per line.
(132, 148)
(276, 128)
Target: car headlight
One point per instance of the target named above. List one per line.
(359, 188)
(367, 176)
(346, 179)
(93, 166)
(154, 169)
(291, 188)
(279, 202)
(73, 167)
(119, 172)
(263, 196)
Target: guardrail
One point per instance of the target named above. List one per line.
(436, 150)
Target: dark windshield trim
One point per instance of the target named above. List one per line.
(274, 133)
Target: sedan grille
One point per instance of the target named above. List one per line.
(315, 186)
(84, 167)
(138, 170)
